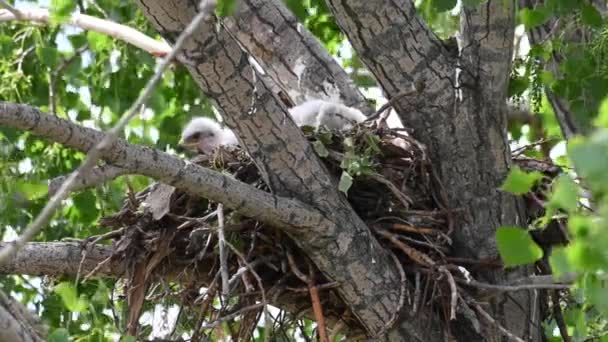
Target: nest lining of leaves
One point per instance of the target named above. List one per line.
(166, 235)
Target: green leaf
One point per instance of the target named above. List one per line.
(602, 119)
(47, 55)
(559, 261)
(59, 335)
(70, 298)
(298, 8)
(517, 86)
(565, 194)
(32, 190)
(98, 41)
(61, 10)
(102, 294)
(531, 17)
(346, 181)
(519, 182)
(516, 246)
(320, 149)
(443, 5)
(471, 3)
(225, 8)
(590, 158)
(590, 16)
(84, 202)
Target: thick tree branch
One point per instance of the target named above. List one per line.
(163, 167)
(341, 246)
(462, 121)
(291, 55)
(297, 219)
(60, 258)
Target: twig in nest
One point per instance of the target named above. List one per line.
(412, 229)
(326, 286)
(222, 247)
(511, 288)
(207, 299)
(390, 103)
(260, 285)
(416, 298)
(317, 309)
(232, 315)
(453, 291)
(414, 254)
(406, 201)
(492, 321)
(336, 330)
(97, 268)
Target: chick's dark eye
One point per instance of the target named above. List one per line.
(195, 136)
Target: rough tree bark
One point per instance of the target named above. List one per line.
(460, 117)
(291, 55)
(345, 251)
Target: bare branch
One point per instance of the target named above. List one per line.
(58, 258)
(97, 175)
(528, 283)
(492, 321)
(222, 248)
(17, 323)
(87, 22)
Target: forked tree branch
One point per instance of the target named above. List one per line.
(342, 244)
(163, 167)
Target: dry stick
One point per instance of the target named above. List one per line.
(207, 7)
(453, 291)
(235, 314)
(57, 73)
(512, 288)
(492, 321)
(89, 23)
(317, 309)
(390, 103)
(260, 285)
(559, 317)
(222, 246)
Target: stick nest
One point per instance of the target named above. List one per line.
(165, 235)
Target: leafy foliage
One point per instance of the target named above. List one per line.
(516, 246)
(93, 79)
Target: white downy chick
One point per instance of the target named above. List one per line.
(205, 134)
(317, 113)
